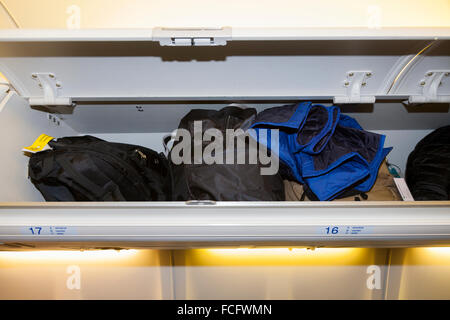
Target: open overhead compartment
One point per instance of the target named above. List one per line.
(134, 86)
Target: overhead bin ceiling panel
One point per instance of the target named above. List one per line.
(135, 70)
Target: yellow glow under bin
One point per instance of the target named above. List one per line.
(239, 273)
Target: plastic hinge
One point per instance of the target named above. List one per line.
(4, 88)
(353, 83)
(430, 85)
(192, 37)
(6, 93)
(50, 86)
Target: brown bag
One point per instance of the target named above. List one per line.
(384, 189)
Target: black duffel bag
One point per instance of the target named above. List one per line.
(221, 181)
(428, 168)
(90, 169)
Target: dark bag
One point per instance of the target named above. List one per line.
(90, 169)
(428, 167)
(222, 182)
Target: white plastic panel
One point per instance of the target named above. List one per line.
(90, 70)
(175, 224)
(434, 58)
(235, 76)
(280, 273)
(339, 33)
(235, 33)
(105, 274)
(243, 273)
(422, 274)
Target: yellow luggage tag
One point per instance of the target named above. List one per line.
(40, 144)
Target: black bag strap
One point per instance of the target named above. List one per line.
(170, 137)
(302, 198)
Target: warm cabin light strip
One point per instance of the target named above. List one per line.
(57, 255)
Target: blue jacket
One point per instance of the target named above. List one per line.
(324, 149)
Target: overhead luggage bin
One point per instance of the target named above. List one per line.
(229, 224)
(134, 86)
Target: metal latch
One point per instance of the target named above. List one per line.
(353, 83)
(430, 85)
(50, 86)
(192, 36)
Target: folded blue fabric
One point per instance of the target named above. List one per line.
(324, 149)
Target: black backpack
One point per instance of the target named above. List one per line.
(90, 169)
(222, 182)
(428, 167)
